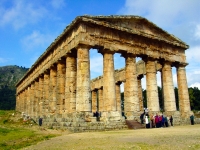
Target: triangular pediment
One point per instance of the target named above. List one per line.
(136, 25)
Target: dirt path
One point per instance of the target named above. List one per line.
(172, 138)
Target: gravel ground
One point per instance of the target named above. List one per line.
(172, 138)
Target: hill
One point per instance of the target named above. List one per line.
(9, 76)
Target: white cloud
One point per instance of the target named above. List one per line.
(196, 84)
(21, 13)
(197, 32)
(3, 60)
(193, 54)
(58, 4)
(36, 39)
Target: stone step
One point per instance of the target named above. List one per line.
(132, 124)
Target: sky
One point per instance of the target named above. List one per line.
(27, 28)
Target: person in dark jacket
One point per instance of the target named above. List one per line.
(192, 119)
(40, 121)
(171, 120)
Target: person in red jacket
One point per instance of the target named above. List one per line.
(157, 121)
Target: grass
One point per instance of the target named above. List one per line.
(16, 134)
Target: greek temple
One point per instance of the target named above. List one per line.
(59, 89)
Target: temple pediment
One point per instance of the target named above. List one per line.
(134, 25)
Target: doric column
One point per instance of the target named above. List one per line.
(60, 86)
(36, 102)
(21, 101)
(118, 96)
(46, 92)
(184, 102)
(131, 102)
(94, 101)
(31, 99)
(151, 83)
(17, 106)
(140, 95)
(70, 83)
(52, 89)
(109, 96)
(101, 102)
(26, 100)
(168, 87)
(83, 101)
(40, 95)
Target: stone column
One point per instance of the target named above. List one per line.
(109, 96)
(52, 89)
(151, 83)
(36, 102)
(118, 95)
(131, 102)
(70, 83)
(184, 102)
(17, 106)
(94, 101)
(101, 102)
(140, 95)
(26, 100)
(31, 99)
(168, 88)
(46, 92)
(40, 95)
(83, 101)
(60, 86)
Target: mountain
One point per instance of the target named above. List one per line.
(9, 76)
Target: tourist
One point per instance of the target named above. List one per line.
(171, 120)
(157, 121)
(163, 121)
(142, 118)
(40, 121)
(152, 121)
(166, 122)
(160, 121)
(192, 119)
(147, 121)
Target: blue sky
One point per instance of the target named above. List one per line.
(27, 27)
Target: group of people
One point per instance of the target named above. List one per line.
(156, 121)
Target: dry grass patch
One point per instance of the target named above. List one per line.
(179, 137)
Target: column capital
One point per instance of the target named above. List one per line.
(47, 71)
(83, 46)
(163, 61)
(53, 66)
(125, 55)
(61, 60)
(72, 53)
(105, 51)
(177, 65)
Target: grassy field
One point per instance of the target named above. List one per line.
(15, 133)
